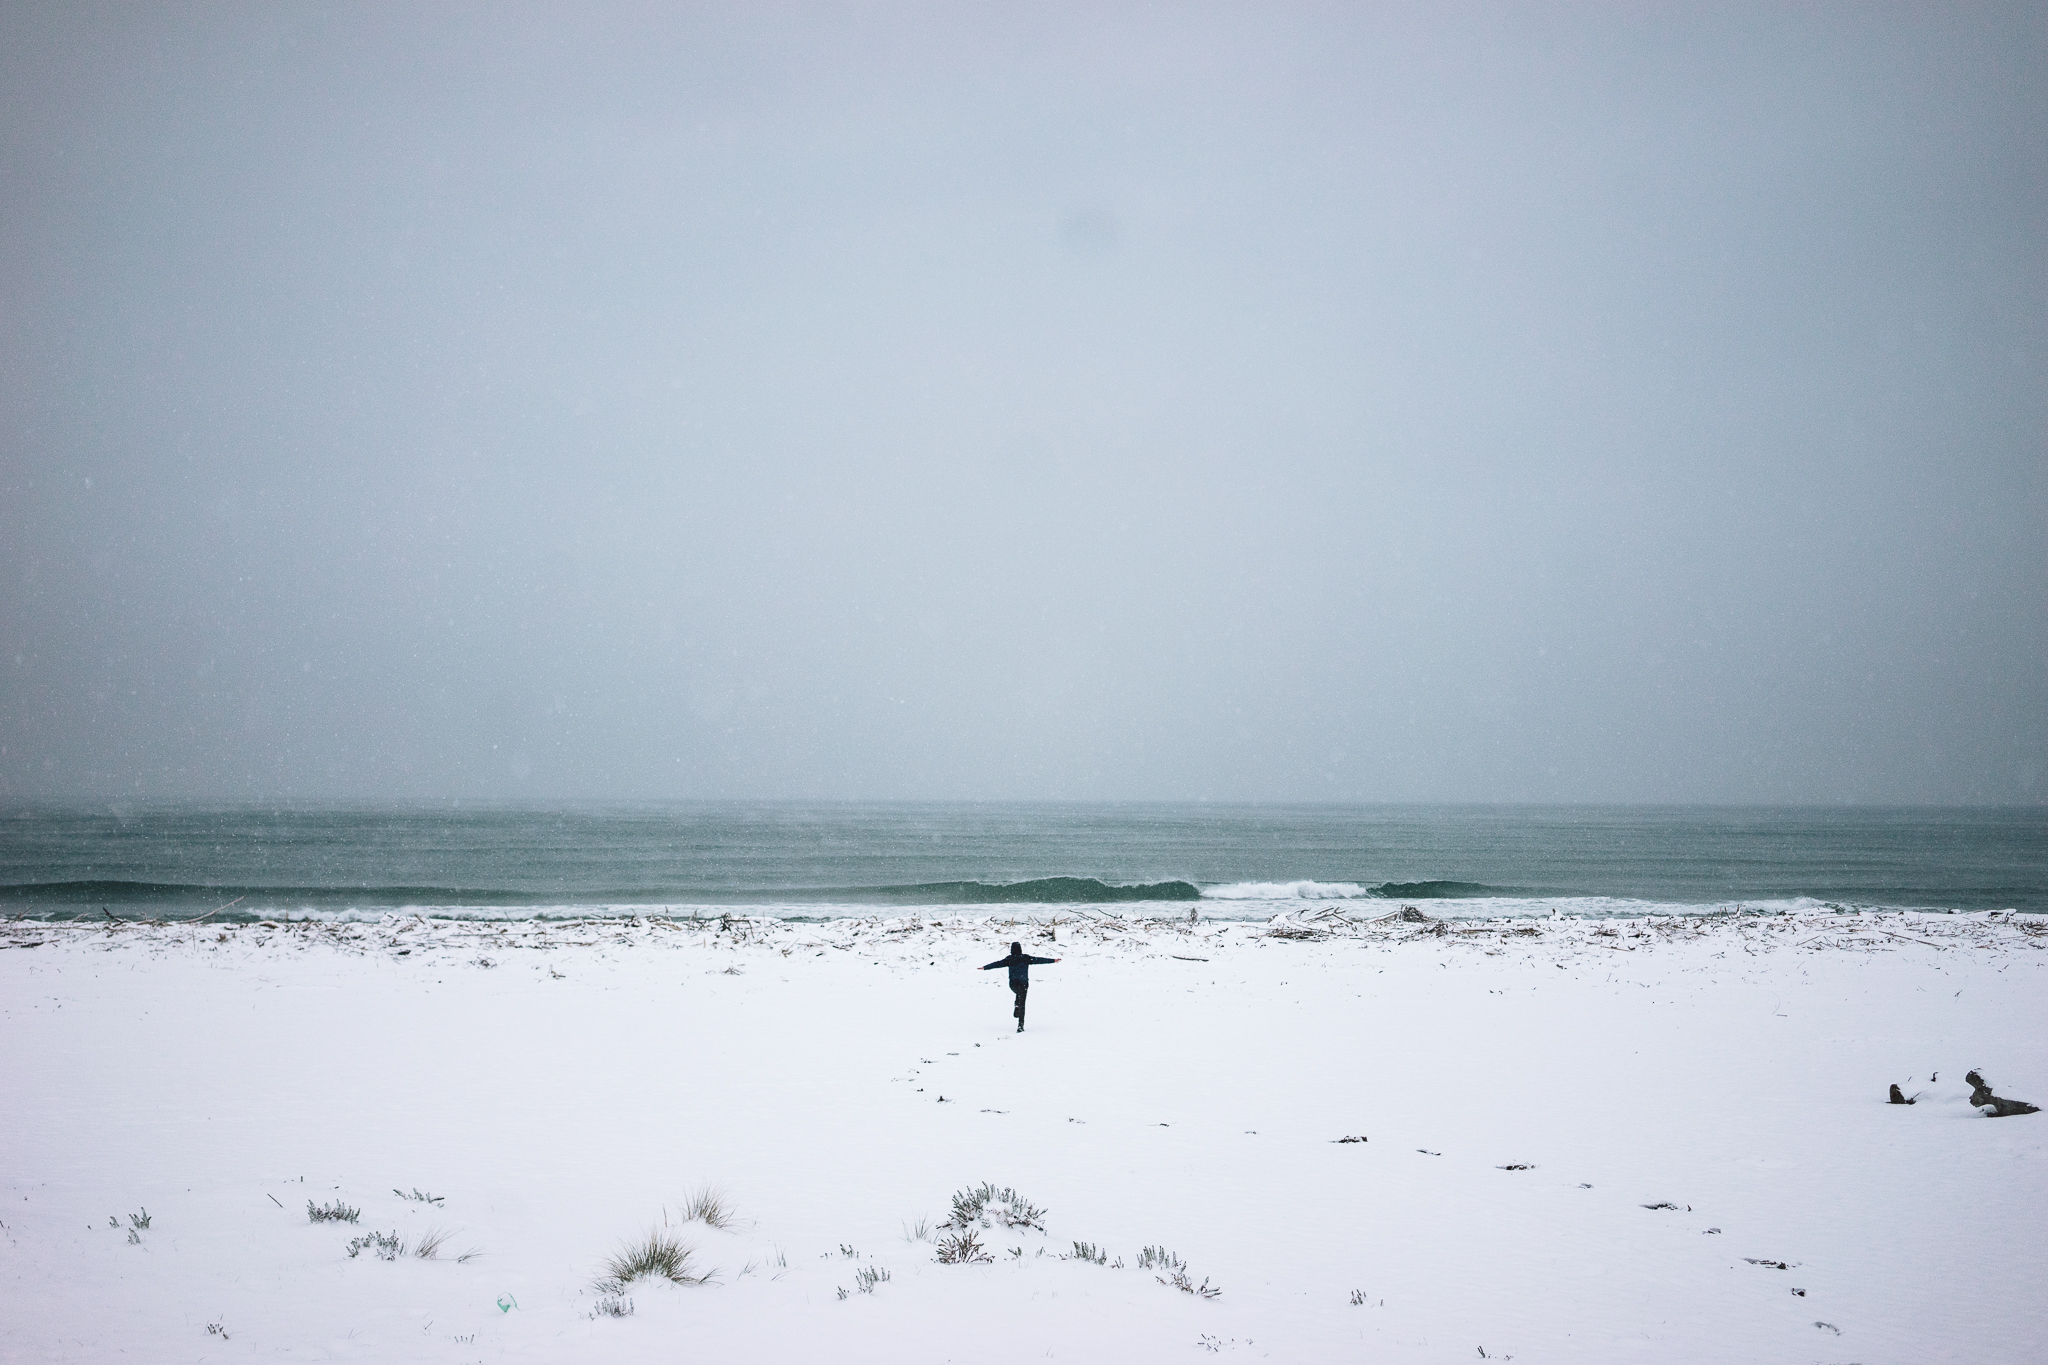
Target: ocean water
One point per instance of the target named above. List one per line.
(801, 860)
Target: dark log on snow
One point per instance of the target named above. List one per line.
(1982, 1098)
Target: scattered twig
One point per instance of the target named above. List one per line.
(216, 910)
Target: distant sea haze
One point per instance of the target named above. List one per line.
(803, 860)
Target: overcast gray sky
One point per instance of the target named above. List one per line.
(1503, 402)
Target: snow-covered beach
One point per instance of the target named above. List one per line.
(1584, 1140)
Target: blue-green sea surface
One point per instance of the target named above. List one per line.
(826, 860)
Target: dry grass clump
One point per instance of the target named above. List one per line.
(711, 1207)
(658, 1255)
(429, 1247)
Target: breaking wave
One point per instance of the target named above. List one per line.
(1040, 891)
(1441, 891)
(1272, 891)
(1346, 891)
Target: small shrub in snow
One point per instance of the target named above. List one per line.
(920, 1231)
(418, 1198)
(1021, 1213)
(1357, 1298)
(867, 1277)
(1088, 1251)
(384, 1245)
(1159, 1258)
(612, 1306)
(985, 1202)
(961, 1248)
(337, 1212)
(1179, 1280)
(138, 1222)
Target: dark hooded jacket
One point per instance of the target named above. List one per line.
(1020, 964)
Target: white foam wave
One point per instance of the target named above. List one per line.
(1281, 891)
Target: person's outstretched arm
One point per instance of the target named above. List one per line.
(999, 962)
(1041, 961)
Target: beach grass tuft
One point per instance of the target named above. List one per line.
(336, 1212)
(711, 1207)
(657, 1255)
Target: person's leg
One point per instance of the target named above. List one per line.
(1019, 1011)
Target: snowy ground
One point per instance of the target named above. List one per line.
(1526, 1089)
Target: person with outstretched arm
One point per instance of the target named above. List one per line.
(1020, 966)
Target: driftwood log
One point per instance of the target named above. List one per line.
(1982, 1098)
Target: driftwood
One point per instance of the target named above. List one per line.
(1982, 1098)
(215, 911)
